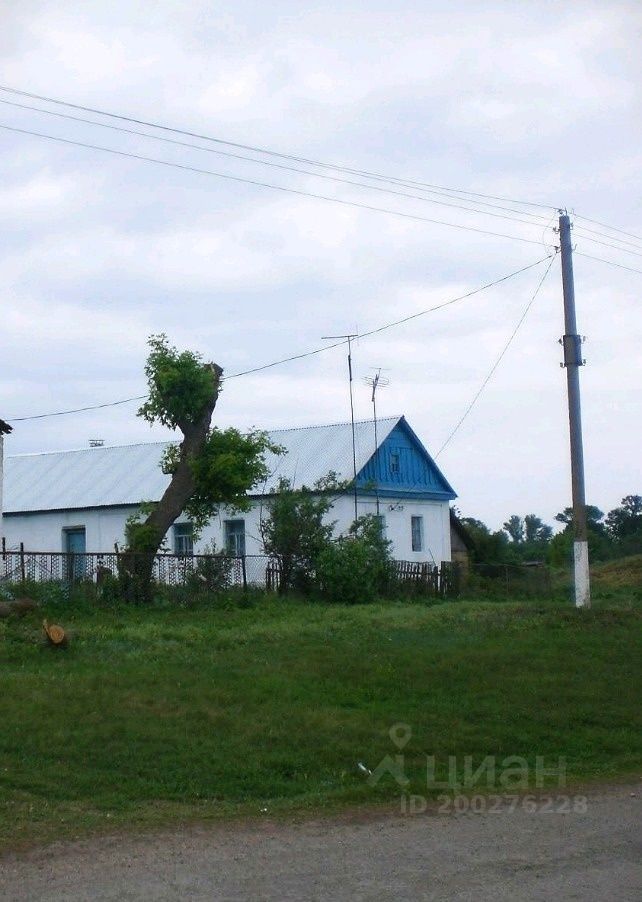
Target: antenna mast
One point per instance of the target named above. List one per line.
(376, 381)
(349, 338)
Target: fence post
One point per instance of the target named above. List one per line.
(23, 575)
(244, 572)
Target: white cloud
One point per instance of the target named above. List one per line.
(504, 99)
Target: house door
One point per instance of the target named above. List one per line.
(75, 547)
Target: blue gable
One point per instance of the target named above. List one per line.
(402, 467)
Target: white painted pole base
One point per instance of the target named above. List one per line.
(581, 571)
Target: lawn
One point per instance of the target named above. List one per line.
(153, 716)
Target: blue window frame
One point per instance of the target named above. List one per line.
(394, 462)
(234, 537)
(184, 539)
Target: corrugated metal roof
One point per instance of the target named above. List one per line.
(129, 474)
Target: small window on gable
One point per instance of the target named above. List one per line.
(184, 539)
(417, 533)
(394, 461)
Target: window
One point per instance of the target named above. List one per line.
(184, 539)
(235, 537)
(417, 533)
(394, 461)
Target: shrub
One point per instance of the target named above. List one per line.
(357, 568)
(213, 571)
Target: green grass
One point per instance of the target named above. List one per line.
(154, 716)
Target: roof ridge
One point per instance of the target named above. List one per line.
(331, 425)
(175, 441)
(89, 448)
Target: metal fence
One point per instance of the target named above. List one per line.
(206, 570)
(199, 571)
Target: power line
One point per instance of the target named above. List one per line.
(62, 413)
(499, 359)
(462, 297)
(283, 188)
(330, 178)
(610, 262)
(616, 247)
(584, 231)
(265, 151)
(605, 226)
(266, 366)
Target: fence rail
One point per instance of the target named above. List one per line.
(217, 571)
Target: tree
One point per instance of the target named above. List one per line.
(594, 516)
(560, 550)
(488, 547)
(209, 467)
(514, 526)
(294, 531)
(624, 525)
(625, 520)
(536, 532)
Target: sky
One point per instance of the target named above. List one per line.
(536, 102)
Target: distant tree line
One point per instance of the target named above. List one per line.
(527, 539)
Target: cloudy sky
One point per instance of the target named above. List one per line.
(535, 102)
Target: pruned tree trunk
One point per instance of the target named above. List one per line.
(146, 540)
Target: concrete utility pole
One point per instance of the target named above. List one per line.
(572, 344)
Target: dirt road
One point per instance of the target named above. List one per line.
(550, 853)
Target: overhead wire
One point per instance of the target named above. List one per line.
(266, 151)
(281, 166)
(604, 226)
(301, 356)
(622, 250)
(499, 359)
(584, 231)
(577, 253)
(283, 188)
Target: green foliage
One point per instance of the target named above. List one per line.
(294, 532)
(228, 465)
(488, 547)
(594, 517)
(601, 547)
(213, 571)
(624, 524)
(357, 568)
(141, 536)
(514, 526)
(179, 385)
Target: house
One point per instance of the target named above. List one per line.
(77, 501)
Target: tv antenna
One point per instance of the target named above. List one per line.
(349, 339)
(375, 382)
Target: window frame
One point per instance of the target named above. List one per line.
(234, 538)
(183, 532)
(417, 533)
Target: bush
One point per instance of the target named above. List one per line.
(213, 571)
(357, 568)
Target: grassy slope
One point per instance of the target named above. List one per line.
(152, 716)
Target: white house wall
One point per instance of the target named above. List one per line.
(105, 526)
